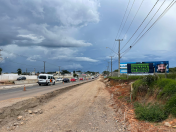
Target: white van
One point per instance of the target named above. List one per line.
(46, 79)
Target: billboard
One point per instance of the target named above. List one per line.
(144, 67)
(140, 68)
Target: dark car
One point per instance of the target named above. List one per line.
(21, 78)
(66, 80)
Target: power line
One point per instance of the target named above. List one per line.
(141, 24)
(149, 21)
(133, 18)
(145, 26)
(121, 23)
(126, 18)
(163, 13)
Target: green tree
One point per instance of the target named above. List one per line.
(0, 70)
(172, 69)
(105, 72)
(75, 75)
(19, 71)
(116, 70)
(64, 72)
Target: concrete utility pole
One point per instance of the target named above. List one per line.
(111, 64)
(59, 70)
(0, 55)
(107, 70)
(119, 55)
(108, 67)
(44, 66)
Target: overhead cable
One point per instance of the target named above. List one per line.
(133, 19)
(122, 22)
(140, 24)
(126, 19)
(163, 13)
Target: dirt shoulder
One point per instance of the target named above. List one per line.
(82, 109)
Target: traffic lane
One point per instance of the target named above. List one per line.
(34, 92)
(3, 91)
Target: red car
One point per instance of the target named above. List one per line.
(81, 79)
(73, 80)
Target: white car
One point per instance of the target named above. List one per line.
(93, 77)
(59, 79)
(76, 78)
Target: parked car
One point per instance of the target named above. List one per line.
(59, 79)
(46, 79)
(76, 78)
(73, 80)
(66, 80)
(21, 78)
(93, 77)
(81, 79)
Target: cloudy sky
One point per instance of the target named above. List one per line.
(74, 34)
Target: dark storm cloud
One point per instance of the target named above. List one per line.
(46, 23)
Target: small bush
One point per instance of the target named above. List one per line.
(170, 106)
(124, 77)
(171, 75)
(161, 83)
(150, 79)
(151, 113)
(134, 77)
(136, 86)
(168, 91)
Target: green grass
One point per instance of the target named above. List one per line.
(149, 112)
(161, 83)
(124, 77)
(136, 85)
(168, 91)
(170, 106)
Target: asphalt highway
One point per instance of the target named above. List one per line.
(34, 90)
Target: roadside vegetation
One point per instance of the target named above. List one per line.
(125, 77)
(158, 95)
(153, 96)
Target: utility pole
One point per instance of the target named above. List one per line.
(44, 66)
(111, 64)
(0, 55)
(26, 71)
(59, 70)
(108, 68)
(34, 70)
(119, 55)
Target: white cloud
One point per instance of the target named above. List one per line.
(33, 37)
(34, 57)
(74, 58)
(73, 66)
